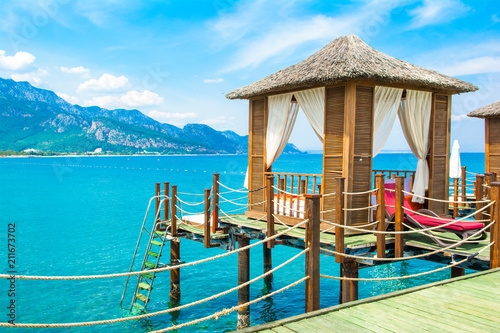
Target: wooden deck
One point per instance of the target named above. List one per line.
(468, 303)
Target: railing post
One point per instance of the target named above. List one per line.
(215, 203)
(399, 215)
(270, 211)
(495, 228)
(380, 184)
(312, 256)
(175, 249)
(166, 192)
(243, 277)
(303, 187)
(464, 184)
(157, 202)
(339, 218)
(479, 195)
(206, 226)
(455, 197)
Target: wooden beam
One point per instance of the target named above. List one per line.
(175, 248)
(479, 195)
(349, 132)
(206, 226)
(270, 210)
(399, 215)
(457, 271)
(495, 228)
(215, 203)
(380, 184)
(339, 218)
(166, 192)
(243, 277)
(312, 256)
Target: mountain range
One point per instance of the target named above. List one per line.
(37, 119)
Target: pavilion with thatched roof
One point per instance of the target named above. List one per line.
(351, 95)
(491, 115)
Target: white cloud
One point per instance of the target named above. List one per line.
(168, 116)
(80, 70)
(436, 11)
(68, 98)
(218, 80)
(130, 99)
(268, 36)
(495, 18)
(473, 66)
(35, 78)
(106, 82)
(137, 98)
(20, 60)
(218, 120)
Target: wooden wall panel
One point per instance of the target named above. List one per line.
(333, 146)
(492, 144)
(362, 164)
(256, 151)
(439, 152)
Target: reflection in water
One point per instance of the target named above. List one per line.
(267, 311)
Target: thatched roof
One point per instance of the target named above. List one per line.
(489, 111)
(345, 59)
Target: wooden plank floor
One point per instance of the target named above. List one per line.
(469, 303)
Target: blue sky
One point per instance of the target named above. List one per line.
(175, 60)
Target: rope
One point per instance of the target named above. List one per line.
(408, 276)
(191, 203)
(412, 257)
(183, 193)
(362, 208)
(232, 218)
(186, 212)
(245, 197)
(328, 194)
(328, 211)
(289, 193)
(110, 321)
(358, 226)
(156, 270)
(290, 208)
(234, 308)
(445, 201)
(359, 193)
(235, 210)
(286, 225)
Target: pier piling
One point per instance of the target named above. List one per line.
(270, 210)
(243, 277)
(349, 288)
(312, 256)
(339, 219)
(215, 203)
(380, 184)
(175, 286)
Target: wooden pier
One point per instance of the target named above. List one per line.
(468, 303)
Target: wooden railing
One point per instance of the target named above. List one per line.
(390, 174)
(289, 198)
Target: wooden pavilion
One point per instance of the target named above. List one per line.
(491, 115)
(345, 81)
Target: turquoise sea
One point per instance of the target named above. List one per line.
(82, 216)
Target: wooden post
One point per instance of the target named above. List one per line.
(479, 196)
(457, 271)
(166, 192)
(268, 262)
(303, 187)
(270, 210)
(380, 184)
(464, 185)
(495, 228)
(349, 288)
(339, 218)
(312, 256)
(157, 201)
(206, 226)
(455, 197)
(399, 215)
(215, 203)
(243, 277)
(175, 288)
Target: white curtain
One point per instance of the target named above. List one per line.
(280, 122)
(312, 102)
(415, 116)
(386, 102)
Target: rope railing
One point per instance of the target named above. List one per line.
(232, 218)
(234, 308)
(359, 208)
(289, 208)
(415, 256)
(423, 230)
(441, 200)
(289, 193)
(359, 193)
(453, 264)
(182, 211)
(152, 314)
(156, 270)
(190, 203)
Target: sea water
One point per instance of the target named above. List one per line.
(82, 216)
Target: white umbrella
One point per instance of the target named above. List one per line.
(455, 166)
